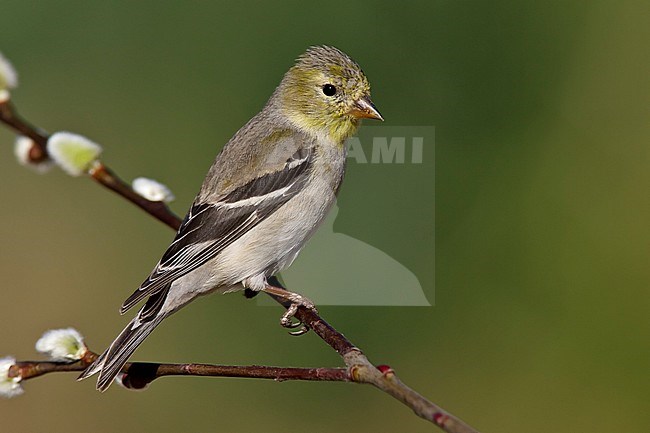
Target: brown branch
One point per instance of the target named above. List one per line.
(359, 368)
(100, 173)
(137, 375)
(105, 177)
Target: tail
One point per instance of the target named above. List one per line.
(109, 364)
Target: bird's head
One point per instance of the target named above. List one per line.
(326, 92)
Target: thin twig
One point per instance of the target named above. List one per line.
(9, 115)
(100, 173)
(359, 368)
(137, 375)
(158, 209)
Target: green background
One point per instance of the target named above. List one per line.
(542, 117)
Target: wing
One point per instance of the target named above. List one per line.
(209, 228)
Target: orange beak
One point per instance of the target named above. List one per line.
(364, 109)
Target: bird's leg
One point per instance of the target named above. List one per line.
(296, 300)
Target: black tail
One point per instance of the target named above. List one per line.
(113, 359)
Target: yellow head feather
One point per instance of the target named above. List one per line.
(318, 94)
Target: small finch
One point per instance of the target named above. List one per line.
(266, 193)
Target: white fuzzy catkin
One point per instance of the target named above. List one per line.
(152, 190)
(8, 75)
(62, 344)
(9, 386)
(74, 153)
(22, 146)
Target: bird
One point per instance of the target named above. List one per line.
(265, 194)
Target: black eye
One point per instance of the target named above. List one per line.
(329, 90)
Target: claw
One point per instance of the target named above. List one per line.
(303, 330)
(293, 325)
(288, 323)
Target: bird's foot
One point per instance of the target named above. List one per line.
(296, 300)
(286, 321)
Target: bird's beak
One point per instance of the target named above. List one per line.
(364, 109)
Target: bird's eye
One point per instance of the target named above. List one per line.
(329, 90)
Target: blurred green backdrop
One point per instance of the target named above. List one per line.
(541, 229)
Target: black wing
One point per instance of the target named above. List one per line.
(209, 228)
